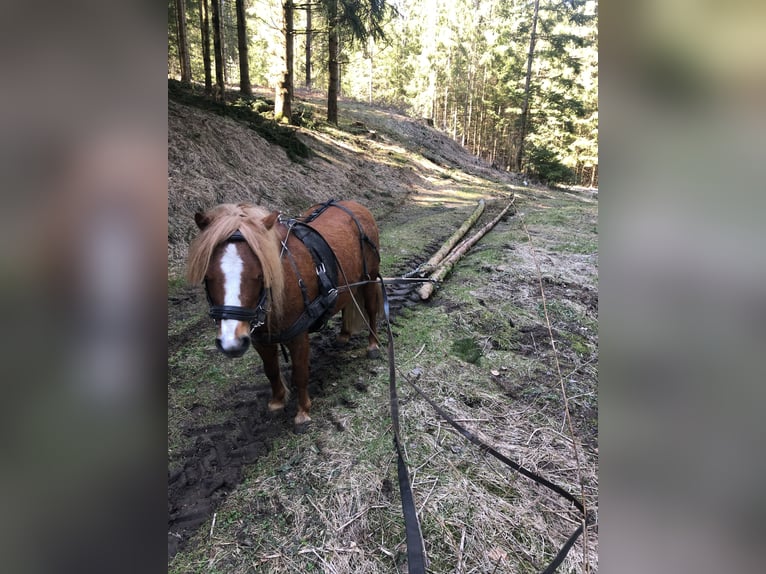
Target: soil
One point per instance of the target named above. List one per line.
(417, 182)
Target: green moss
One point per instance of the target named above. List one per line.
(466, 349)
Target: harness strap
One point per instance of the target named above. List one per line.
(471, 437)
(363, 238)
(416, 560)
(301, 284)
(315, 313)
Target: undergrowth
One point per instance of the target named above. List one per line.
(254, 112)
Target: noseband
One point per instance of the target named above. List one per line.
(256, 317)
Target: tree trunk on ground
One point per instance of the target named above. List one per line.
(218, 51)
(427, 289)
(244, 65)
(205, 27)
(437, 257)
(332, 88)
(525, 103)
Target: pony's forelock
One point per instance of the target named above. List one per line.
(224, 220)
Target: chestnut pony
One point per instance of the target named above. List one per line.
(271, 279)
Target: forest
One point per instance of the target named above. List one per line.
(515, 82)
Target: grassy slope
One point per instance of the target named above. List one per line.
(327, 501)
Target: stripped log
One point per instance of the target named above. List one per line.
(448, 263)
(431, 265)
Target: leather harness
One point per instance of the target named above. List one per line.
(315, 313)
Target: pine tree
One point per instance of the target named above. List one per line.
(244, 66)
(183, 42)
(283, 102)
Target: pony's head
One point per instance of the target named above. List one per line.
(242, 272)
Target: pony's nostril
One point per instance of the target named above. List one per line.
(244, 341)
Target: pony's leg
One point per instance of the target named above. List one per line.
(299, 355)
(270, 358)
(372, 303)
(348, 320)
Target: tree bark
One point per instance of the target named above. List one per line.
(244, 65)
(332, 88)
(205, 27)
(283, 105)
(427, 289)
(437, 257)
(518, 160)
(218, 51)
(370, 50)
(183, 42)
(308, 46)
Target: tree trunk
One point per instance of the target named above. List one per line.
(218, 51)
(332, 88)
(527, 83)
(437, 257)
(448, 263)
(370, 49)
(222, 24)
(205, 27)
(183, 42)
(308, 46)
(244, 65)
(283, 105)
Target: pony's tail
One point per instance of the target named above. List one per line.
(354, 314)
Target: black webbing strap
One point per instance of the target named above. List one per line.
(415, 557)
(501, 457)
(363, 238)
(521, 470)
(315, 313)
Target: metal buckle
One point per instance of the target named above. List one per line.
(321, 269)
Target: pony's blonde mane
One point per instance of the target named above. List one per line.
(224, 220)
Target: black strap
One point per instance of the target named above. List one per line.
(521, 470)
(363, 237)
(315, 313)
(415, 557)
(501, 457)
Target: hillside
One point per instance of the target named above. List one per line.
(519, 369)
(378, 157)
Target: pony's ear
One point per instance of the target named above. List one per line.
(270, 219)
(201, 220)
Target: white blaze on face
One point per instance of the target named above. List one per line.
(231, 266)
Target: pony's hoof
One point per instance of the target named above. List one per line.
(342, 340)
(302, 423)
(373, 353)
(302, 428)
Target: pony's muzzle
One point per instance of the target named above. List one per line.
(234, 348)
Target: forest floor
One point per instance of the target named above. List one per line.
(247, 494)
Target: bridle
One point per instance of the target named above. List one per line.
(255, 316)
